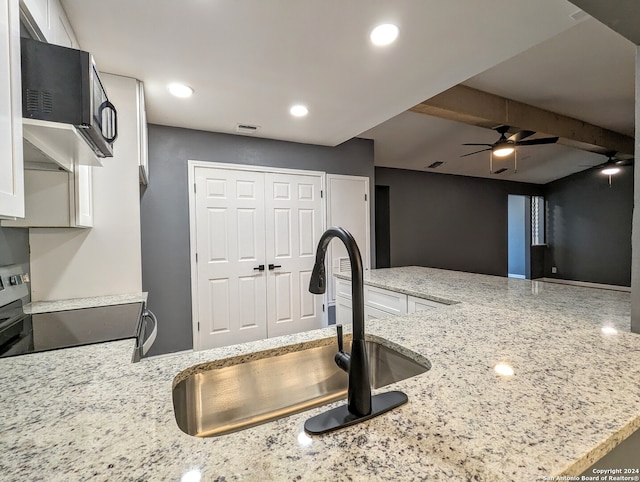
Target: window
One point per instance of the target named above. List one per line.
(537, 220)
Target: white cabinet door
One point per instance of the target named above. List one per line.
(61, 31)
(143, 141)
(231, 292)
(38, 15)
(11, 162)
(293, 229)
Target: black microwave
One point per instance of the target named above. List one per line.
(61, 84)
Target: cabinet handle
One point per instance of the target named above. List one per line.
(273, 266)
(260, 267)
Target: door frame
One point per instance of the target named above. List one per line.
(192, 164)
(366, 255)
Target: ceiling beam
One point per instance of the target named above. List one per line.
(471, 106)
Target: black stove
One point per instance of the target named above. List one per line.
(22, 333)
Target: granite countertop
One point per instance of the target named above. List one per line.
(87, 413)
(79, 303)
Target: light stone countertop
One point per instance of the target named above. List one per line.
(80, 303)
(87, 413)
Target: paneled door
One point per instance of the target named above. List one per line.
(256, 235)
(230, 216)
(293, 228)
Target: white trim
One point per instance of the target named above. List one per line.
(192, 163)
(586, 284)
(191, 168)
(519, 276)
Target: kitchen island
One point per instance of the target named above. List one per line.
(88, 413)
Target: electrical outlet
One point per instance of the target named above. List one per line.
(554, 270)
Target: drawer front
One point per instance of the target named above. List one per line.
(374, 313)
(343, 288)
(385, 300)
(420, 304)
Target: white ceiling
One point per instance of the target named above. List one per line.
(586, 72)
(250, 60)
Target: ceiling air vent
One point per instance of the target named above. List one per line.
(435, 164)
(500, 171)
(246, 128)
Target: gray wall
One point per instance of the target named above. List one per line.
(589, 227)
(165, 215)
(450, 222)
(14, 246)
(635, 282)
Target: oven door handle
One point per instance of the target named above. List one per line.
(146, 345)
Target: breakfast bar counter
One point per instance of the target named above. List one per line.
(87, 413)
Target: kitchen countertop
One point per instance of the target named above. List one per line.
(79, 303)
(87, 413)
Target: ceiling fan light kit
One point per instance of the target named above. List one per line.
(503, 150)
(508, 145)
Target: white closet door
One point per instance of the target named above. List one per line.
(230, 220)
(293, 228)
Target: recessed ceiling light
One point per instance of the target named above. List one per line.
(180, 90)
(384, 34)
(299, 110)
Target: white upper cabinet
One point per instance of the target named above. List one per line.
(57, 199)
(48, 22)
(11, 162)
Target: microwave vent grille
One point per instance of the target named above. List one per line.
(39, 101)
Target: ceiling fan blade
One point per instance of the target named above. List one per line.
(488, 145)
(518, 136)
(537, 142)
(476, 152)
(624, 162)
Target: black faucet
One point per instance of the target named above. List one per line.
(359, 394)
(360, 405)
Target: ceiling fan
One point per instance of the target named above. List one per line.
(506, 145)
(612, 165)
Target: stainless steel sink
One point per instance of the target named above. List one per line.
(215, 401)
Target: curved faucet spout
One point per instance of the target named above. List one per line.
(318, 282)
(359, 394)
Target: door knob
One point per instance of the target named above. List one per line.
(260, 267)
(273, 266)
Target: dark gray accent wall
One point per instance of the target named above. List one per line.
(589, 227)
(14, 246)
(449, 222)
(165, 214)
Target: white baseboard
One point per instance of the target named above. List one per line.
(585, 284)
